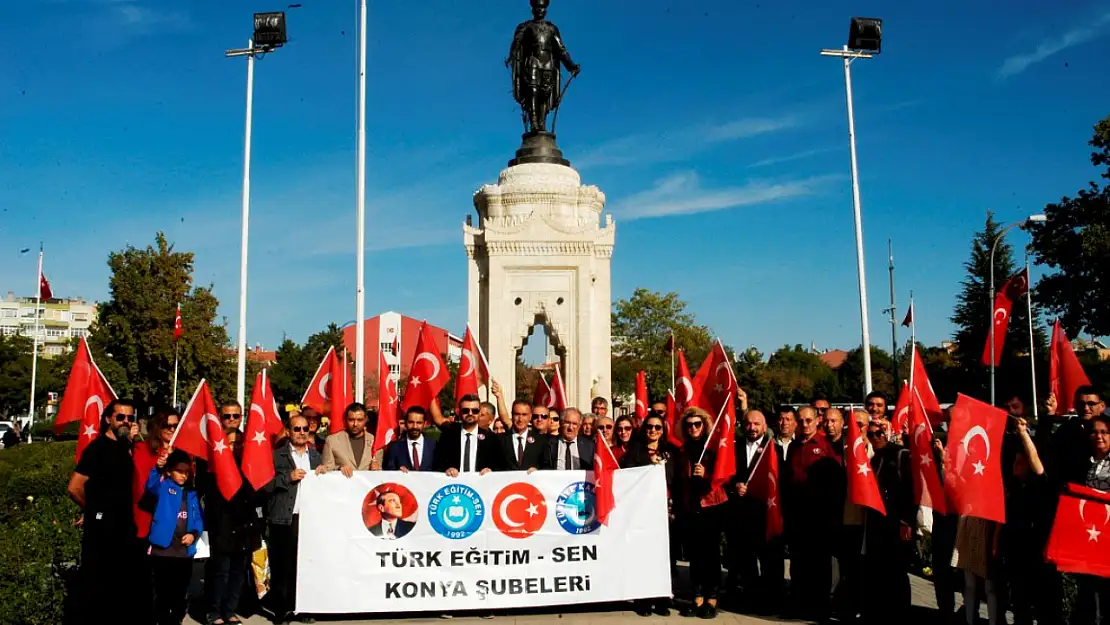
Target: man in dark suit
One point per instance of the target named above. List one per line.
(391, 526)
(568, 451)
(755, 564)
(463, 447)
(292, 462)
(521, 447)
(414, 452)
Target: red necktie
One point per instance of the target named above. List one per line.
(415, 458)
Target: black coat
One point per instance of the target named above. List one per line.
(233, 526)
(449, 454)
(549, 457)
(532, 450)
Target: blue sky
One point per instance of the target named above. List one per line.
(714, 127)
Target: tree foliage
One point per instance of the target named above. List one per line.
(641, 326)
(15, 376)
(296, 364)
(133, 341)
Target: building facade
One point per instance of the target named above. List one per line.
(59, 321)
(389, 327)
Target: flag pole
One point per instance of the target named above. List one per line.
(673, 348)
(1032, 354)
(35, 348)
(913, 340)
(175, 362)
(360, 219)
(713, 429)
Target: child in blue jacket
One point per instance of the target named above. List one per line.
(174, 530)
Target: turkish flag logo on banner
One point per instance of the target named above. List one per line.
(473, 370)
(1004, 300)
(87, 393)
(973, 460)
(427, 375)
(388, 415)
(764, 484)
(1079, 542)
(1065, 374)
(263, 423)
(863, 488)
(200, 434)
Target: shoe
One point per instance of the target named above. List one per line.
(707, 611)
(661, 609)
(305, 619)
(691, 610)
(446, 617)
(643, 611)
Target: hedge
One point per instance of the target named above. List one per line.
(39, 544)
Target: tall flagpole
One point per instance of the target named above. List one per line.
(35, 344)
(1032, 354)
(673, 348)
(241, 368)
(360, 226)
(913, 340)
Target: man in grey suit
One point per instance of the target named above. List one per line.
(292, 462)
(567, 451)
(352, 449)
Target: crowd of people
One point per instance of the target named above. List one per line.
(145, 505)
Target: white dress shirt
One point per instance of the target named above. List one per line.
(389, 529)
(473, 449)
(561, 454)
(419, 448)
(753, 451)
(300, 461)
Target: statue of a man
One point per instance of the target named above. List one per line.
(535, 58)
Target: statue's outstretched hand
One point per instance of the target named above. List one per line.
(575, 69)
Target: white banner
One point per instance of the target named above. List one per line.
(478, 542)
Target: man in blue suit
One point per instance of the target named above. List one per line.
(414, 452)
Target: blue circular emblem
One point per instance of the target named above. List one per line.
(456, 511)
(576, 509)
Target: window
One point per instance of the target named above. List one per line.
(9, 331)
(10, 313)
(78, 332)
(395, 370)
(55, 350)
(28, 313)
(80, 317)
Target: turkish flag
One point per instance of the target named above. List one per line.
(673, 426)
(318, 394)
(45, 292)
(1004, 300)
(724, 437)
(908, 321)
(715, 382)
(927, 490)
(201, 435)
(177, 329)
(87, 393)
(1077, 544)
(427, 375)
(919, 383)
(605, 464)
(973, 460)
(669, 345)
(263, 423)
(1065, 374)
(763, 483)
(863, 488)
(341, 388)
(558, 392)
(388, 416)
(901, 410)
(641, 395)
(543, 396)
(473, 370)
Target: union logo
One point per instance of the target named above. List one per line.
(456, 511)
(576, 509)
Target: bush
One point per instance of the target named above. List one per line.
(39, 543)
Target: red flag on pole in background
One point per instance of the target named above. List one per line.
(683, 395)
(318, 394)
(924, 389)
(473, 371)
(427, 375)
(542, 395)
(973, 461)
(927, 489)
(342, 390)
(263, 424)
(87, 393)
(201, 435)
(177, 326)
(45, 292)
(1065, 374)
(641, 395)
(763, 483)
(863, 488)
(558, 392)
(908, 320)
(605, 465)
(901, 410)
(1004, 300)
(1077, 543)
(669, 345)
(388, 415)
(715, 381)
(673, 425)
(724, 439)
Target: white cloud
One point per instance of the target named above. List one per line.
(797, 156)
(682, 194)
(1020, 62)
(668, 146)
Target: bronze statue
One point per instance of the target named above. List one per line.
(536, 58)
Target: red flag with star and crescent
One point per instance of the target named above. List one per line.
(973, 461)
(263, 424)
(1079, 543)
(177, 326)
(389, 416)
(1004, 300)
(901, 410)
(201, 435)
(863, 488)
(715, 381)
(318, 393)
(45, 292)
(672, 420)
(605, 465)
(921, 385)
(683, 395)
(473, 371)
(763, 483)
(724, 437)
(1065, 374)
(428, 373)
(927, 489)
(641, 395)
(558, 392)
(542, 395)
(87, 393)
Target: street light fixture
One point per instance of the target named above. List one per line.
(864, 41)
(269, 35)
(1028, 221)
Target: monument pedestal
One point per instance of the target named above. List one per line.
(540, 254)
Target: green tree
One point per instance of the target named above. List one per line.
(288, 377)
(15, 376)
(795, 375)
(1074, 242)
(641, 326)
(850, 375)
(134, 329)
(973, 317)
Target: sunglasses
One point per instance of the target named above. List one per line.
(605, 427)
(299, 428)
(653, 427)
(169, 426)
(130, 418)
(693, 424)
(538, 416)
(624, 428)
(1089, 404)
(231, 415)
(469, 410)
(874, 433)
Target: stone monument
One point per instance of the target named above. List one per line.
(540, 252)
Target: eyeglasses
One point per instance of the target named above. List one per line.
(607, 427)
(469, 410)
(654, 427)
(130, 418)
(691, 425)
(231, 415)
(299, 428)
